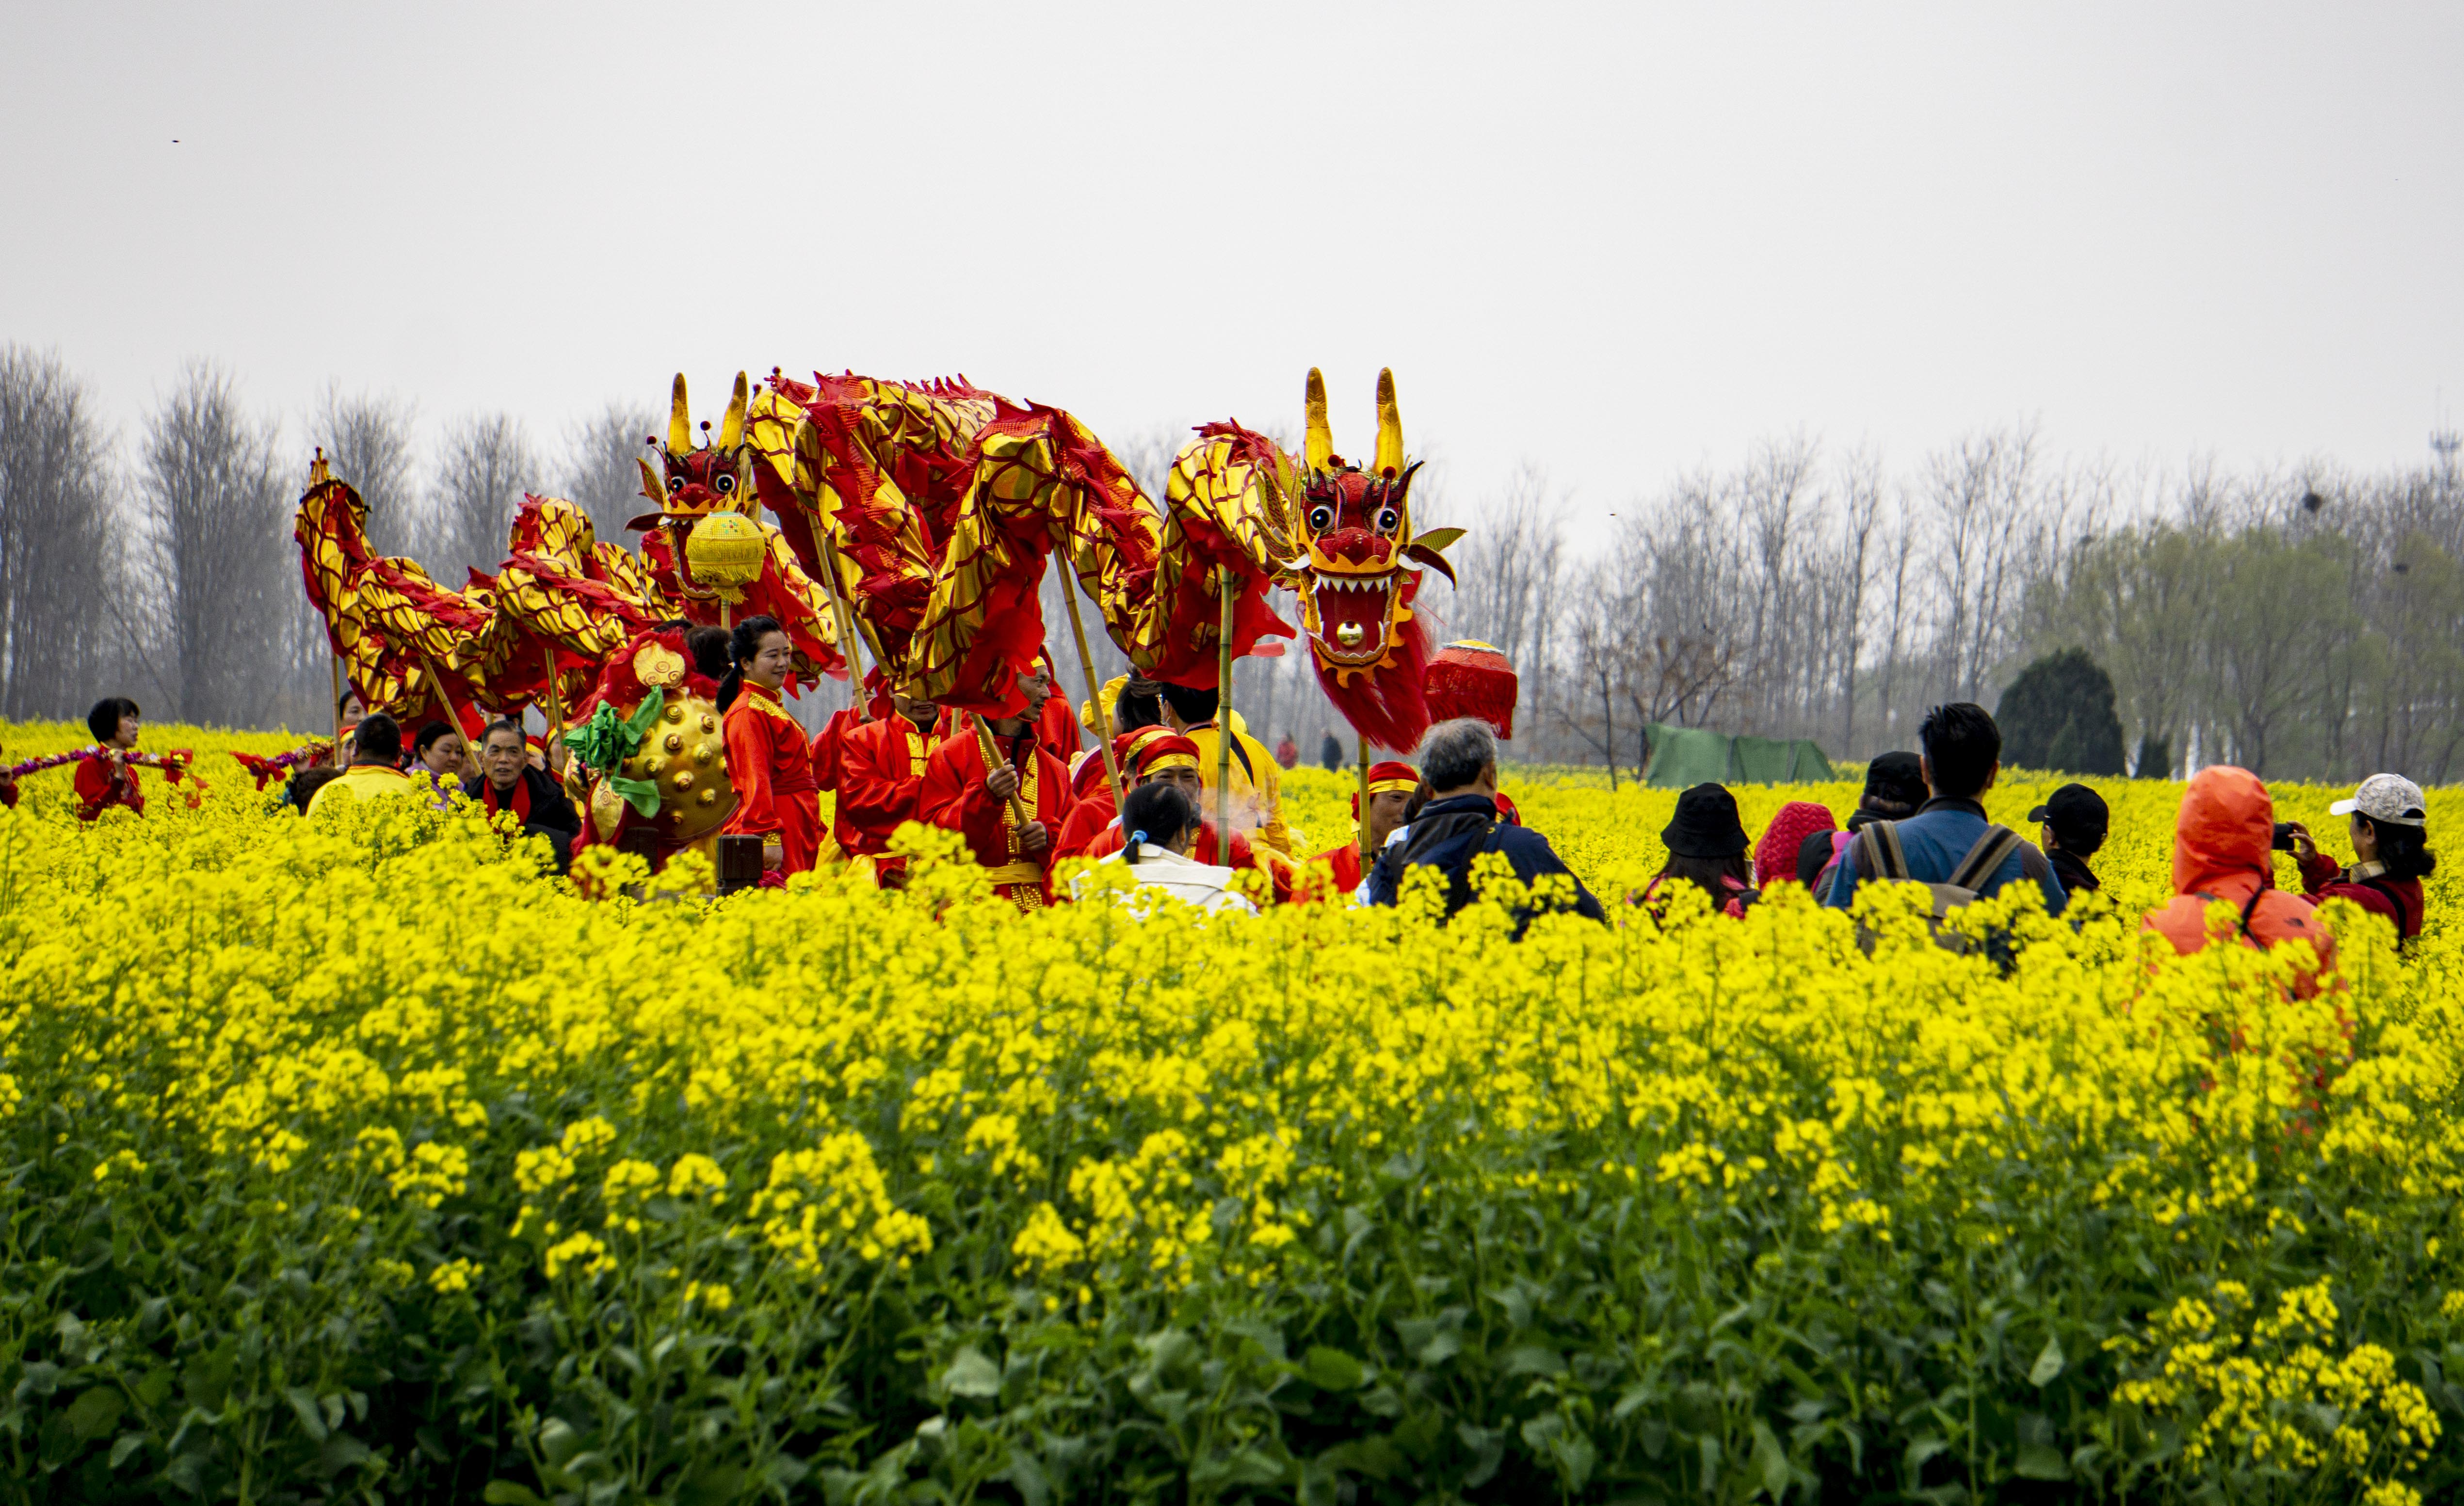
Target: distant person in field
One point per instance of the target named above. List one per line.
(2221, 842)
(1962, 758)
(2390, 836)
(1288, 753)
(110, 780)
(375, 765)
(1329, 752)
(507, 783)
(1797, 828)
(1894, 788)
(1707, 848)
(1461, 821)
(2072, 824)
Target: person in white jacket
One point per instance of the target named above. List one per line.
(1161, 823)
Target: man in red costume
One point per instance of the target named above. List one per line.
(1009, 809)
(768, 760)
(1056, 726)
(880, 767)
(1390, 794)
(1162, 757)
(1094, 809)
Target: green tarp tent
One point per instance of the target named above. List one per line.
(1688, 756)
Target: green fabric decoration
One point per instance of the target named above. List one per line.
(609, 738)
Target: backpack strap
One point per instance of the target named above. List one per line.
(1993, 848)
(2251, 909)
(1877, 851)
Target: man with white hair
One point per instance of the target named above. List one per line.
(1461, 821)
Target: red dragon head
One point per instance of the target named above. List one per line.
(1355, 586)
(697, 479)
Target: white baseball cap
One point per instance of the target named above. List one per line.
(2390, 797)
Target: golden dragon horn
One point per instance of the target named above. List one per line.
(731, 429)
(1320, 451)
(1389, 427)
(680, 440)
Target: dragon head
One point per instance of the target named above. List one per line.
(695, 479)
(1357, 585)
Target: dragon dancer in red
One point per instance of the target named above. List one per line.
(992, 782)
(880, 767)
(1390, 794)
(767, 758)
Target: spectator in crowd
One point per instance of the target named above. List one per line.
(1894, 788)
(1163, 825)
(507, 783)
(1962, 758)
(301, 788)
(110, 780)
(2221, 842)
(1288, 753)
(2390, 836)
(2071, 823)
(438, 749)
(1329, 752)
(1707, 848)
(1800, 827)
(376, 764)
(1458, 764)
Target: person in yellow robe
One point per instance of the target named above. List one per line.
(1257, 782)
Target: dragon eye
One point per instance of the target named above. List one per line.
(675, 484)
(723, 485)
(1321, 518)
(1387, 518)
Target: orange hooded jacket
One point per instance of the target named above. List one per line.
(2220, 852)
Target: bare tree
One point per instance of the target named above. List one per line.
(485, 468)
(599, 475)
(57, 511)
(218, 522)
(368, 440)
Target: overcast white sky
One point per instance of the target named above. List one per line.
(1620, 241)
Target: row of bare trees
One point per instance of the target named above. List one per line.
(2308, 620)
(163, 567)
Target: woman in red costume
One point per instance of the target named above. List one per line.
(768, 760)
(109, 780)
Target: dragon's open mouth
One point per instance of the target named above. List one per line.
(1354, 613)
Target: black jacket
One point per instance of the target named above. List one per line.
(2072, 872)
(1449, 833)
(552, 814)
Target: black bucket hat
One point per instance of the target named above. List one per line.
(1705, 825)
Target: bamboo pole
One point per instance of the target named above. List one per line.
(992, 758)
(1366, 855)
(851, 644)
(337, 665)
(555, 712)
(1223, 588)
(1094, 691)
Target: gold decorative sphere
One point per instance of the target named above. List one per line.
(695, 797)
(724, 551)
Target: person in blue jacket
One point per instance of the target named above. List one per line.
(1962, 752)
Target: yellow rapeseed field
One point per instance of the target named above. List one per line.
(354, 1158)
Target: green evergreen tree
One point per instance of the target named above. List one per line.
(2059, 715)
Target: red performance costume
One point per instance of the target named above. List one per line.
(1157, 749)
(1093, 790)
(771, 766)
(954, 798)
(1385, 779)
(881, 766)
(102, 782)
